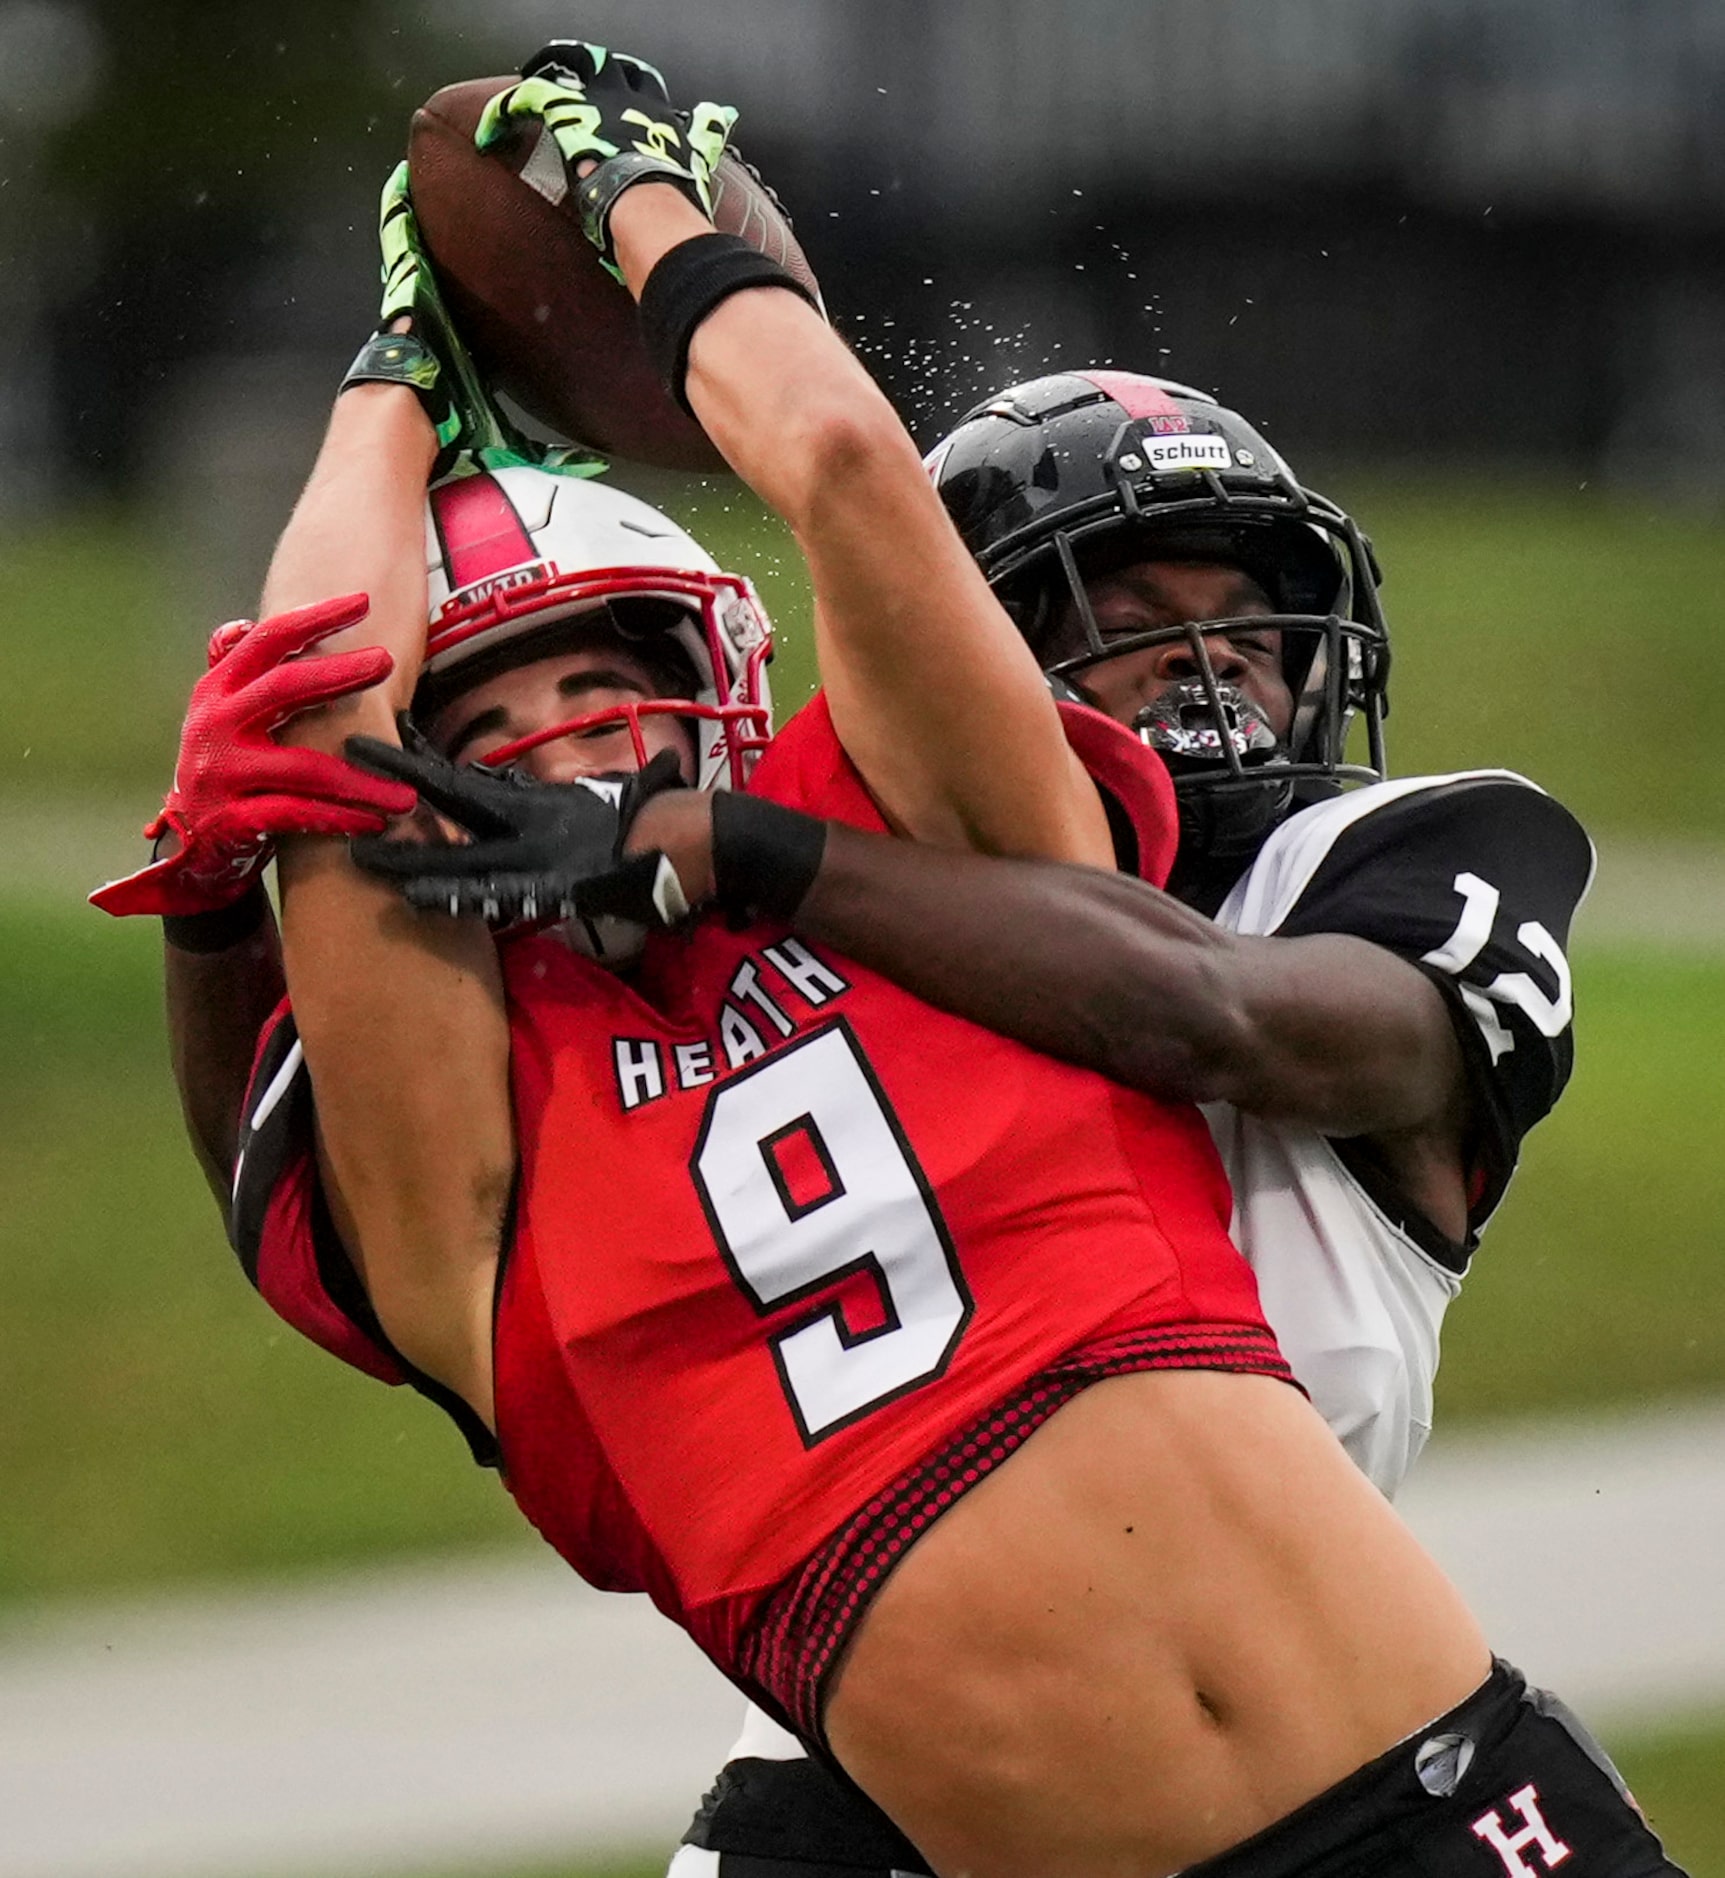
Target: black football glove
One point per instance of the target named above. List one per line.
(538, 851)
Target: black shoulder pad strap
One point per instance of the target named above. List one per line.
(270, 1127)
(276, 1127)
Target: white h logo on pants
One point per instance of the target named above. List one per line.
(1534, 1834)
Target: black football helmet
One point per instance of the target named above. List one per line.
(1069, 477)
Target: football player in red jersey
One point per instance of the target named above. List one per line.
(1126, 981)
(1130, 1693)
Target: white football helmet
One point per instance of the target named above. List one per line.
(515, 549)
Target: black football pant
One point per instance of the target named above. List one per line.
(1508, 1784)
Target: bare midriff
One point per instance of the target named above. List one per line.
(1176, 1615)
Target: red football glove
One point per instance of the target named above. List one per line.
(235, 788)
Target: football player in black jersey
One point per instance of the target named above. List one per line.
(1391, 1062)
(1365, 985)
(1364, 981)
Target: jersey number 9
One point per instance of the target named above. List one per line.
(808, 1181)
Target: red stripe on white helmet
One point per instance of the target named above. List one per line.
(512, 550)
(478, 529)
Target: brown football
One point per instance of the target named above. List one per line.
(545, 322)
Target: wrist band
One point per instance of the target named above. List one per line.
(221, 929)
(597, 196)
(389, 358)
(765, 857)
(684, 287)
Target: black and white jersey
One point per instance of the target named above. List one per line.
(1475, 878)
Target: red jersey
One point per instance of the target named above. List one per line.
(783, 1230)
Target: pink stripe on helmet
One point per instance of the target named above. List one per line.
(1138, 397)
(479, 530)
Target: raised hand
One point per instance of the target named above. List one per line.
(236, 790)
(416, 344)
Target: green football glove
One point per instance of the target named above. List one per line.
(430, 358)
(613, 110)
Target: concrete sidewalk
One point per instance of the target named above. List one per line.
(498, 1712)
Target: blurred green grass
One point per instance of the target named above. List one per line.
(161, 1425)
(1678, 1776)
(95, 659)
(1603, 1278)
(164, 1427)
(1559, 632)
(1553, 630)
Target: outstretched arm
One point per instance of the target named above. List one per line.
(1326, 1030)
(934, 694)
(929, 682)
(1329, 1031)
(401, 1014)
(1101, 969)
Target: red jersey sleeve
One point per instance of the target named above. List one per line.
(1137, 791)
(280, 1228)
(805, 767)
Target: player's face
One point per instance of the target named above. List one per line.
(552, 690)
(1148, 595)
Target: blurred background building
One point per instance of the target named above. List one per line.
(1490, 229)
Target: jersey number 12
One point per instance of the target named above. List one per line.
(1549, 1015)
